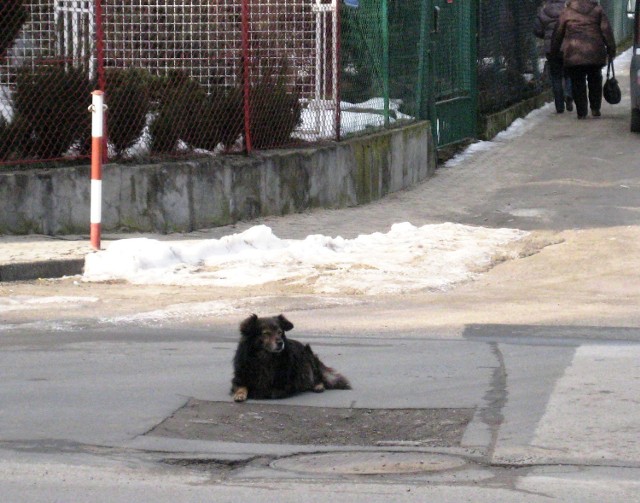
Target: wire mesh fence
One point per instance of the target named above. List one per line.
(510, 61)
(186, 77)
(382, 64)
(214, 66)
(43, 104)
(180, 77)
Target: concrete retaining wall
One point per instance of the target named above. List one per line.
(184, 196)
(490, 125)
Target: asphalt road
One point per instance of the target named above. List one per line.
(552, 412)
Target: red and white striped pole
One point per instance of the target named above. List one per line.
(97, 122)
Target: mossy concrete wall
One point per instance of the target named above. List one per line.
(490, 125)
(184, 196)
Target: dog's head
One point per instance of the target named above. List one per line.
(266, 333)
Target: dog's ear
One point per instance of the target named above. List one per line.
(249, 326)
(285, 324)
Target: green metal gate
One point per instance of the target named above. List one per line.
(452, 70)
(419, 56)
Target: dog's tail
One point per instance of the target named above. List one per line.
(332, 379)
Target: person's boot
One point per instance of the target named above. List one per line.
(569, 103)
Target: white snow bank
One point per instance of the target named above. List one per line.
(407, 258)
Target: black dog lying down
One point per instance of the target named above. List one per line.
(269, 365)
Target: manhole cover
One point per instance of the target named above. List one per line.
(256, 422)
(369, 463)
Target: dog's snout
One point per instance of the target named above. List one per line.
(273, 339)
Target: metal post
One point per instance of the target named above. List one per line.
(100, 44)
(317, 104)
(246, 74)
(336, 67)
(99, 30)
(97, 118)
(384, 16)
(422, 56)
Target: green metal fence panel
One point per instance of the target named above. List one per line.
(362, 67)
(408, 52)
(397, 63)
(453, 65)
(383, 69)
(444, 60)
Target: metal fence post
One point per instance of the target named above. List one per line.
(99, 31)
(422, 62)
(336, 67)
(246, 74)
(384, 15)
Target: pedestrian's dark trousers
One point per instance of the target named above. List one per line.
(584, 76)
(560, 83)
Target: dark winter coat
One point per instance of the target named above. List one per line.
(583, 35)
(545, 22)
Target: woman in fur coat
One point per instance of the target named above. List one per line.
(585, 39)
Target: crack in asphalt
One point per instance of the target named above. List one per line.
(496, 398)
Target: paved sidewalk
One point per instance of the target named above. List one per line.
(556, 173)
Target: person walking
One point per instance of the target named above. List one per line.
(584, 37)
(543, 27)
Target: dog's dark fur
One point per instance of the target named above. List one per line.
(269, 365)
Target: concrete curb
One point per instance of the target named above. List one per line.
(26, 271)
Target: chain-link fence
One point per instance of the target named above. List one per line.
(221, 76)
(381, 63)
(180, 77)
(186, 77)
(510, 63)
(43, 106)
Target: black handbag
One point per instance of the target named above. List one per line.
(611, 88)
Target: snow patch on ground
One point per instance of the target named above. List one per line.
(405, 259)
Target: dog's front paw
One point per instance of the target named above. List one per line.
(240, 394)
(318, 388)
